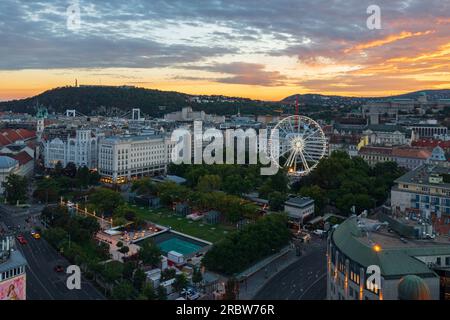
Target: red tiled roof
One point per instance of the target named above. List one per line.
(419, 153)
(22, 157)
(26, 134)
(4, 140)
(9, 136)
(431, 143)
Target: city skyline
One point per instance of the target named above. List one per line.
(265, 50)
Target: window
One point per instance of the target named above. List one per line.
(438, 261)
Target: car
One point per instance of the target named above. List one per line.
(190, 294)
(36, 235)
(318, 232)
(21, 239)
(58, 268)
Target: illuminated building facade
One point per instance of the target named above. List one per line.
(12, 271)
(124, 158)
(359, 245)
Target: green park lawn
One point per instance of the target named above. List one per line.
(198, 229)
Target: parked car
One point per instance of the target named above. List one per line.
(190, 294)
(58, 268)
(318, 232)
(35, 235)
(21, 239)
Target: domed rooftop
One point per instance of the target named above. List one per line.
(438, 154)
(412, 287)
(7, 162)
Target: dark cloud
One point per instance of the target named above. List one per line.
(118, 34)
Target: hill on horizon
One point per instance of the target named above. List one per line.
(432, 94)
(117, 100)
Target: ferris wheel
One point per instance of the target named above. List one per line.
(301, 144)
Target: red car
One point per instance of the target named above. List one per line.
(59, 269)
(21, 239)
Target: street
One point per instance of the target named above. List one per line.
(304, 279)
(43, 282)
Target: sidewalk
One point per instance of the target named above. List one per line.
(258, 275)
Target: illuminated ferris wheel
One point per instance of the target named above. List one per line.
(301, 142)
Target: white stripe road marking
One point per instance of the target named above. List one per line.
(312, 285)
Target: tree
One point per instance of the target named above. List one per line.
(58, 170)
(70, 170)
(239, 250)
(15, 188)
(106, 200)
(128, 270)
(316, 193)
(276, 201)
(124, 250)
(123, 291)
(168, 274)
(231, 289)
(236, 184)
(209, 183)
(83, 177)
(197, 276)
(139, 277)
(180, 282)
(47, 190)
(161, 293)
(149, 292)
(56, 236)
(112, 271)
(144, 186)
(94, 178)
(170, 192)
(150, 254)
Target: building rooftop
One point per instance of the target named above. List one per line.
(421, 175)
(7, 162)
(133, 138)
(395, 257)
(15, 260)
(299, 202)
(409, 152)
(384, 128)
(378, 150)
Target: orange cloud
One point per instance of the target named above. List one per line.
(442, 51)
(389, 39)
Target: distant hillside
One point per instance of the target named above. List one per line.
(320, 99)
(108, 100)
(91, 100)
(115, 101)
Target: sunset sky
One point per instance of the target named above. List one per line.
(250, 48)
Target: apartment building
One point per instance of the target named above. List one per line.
(425, 191)
(79, 146)
(410, 268)
(124, 158)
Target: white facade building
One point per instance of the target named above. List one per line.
(81, 149)
(299, 208)
(123, 158)
(8, 166)
(187, 114)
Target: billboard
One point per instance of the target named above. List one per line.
(13, 289)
